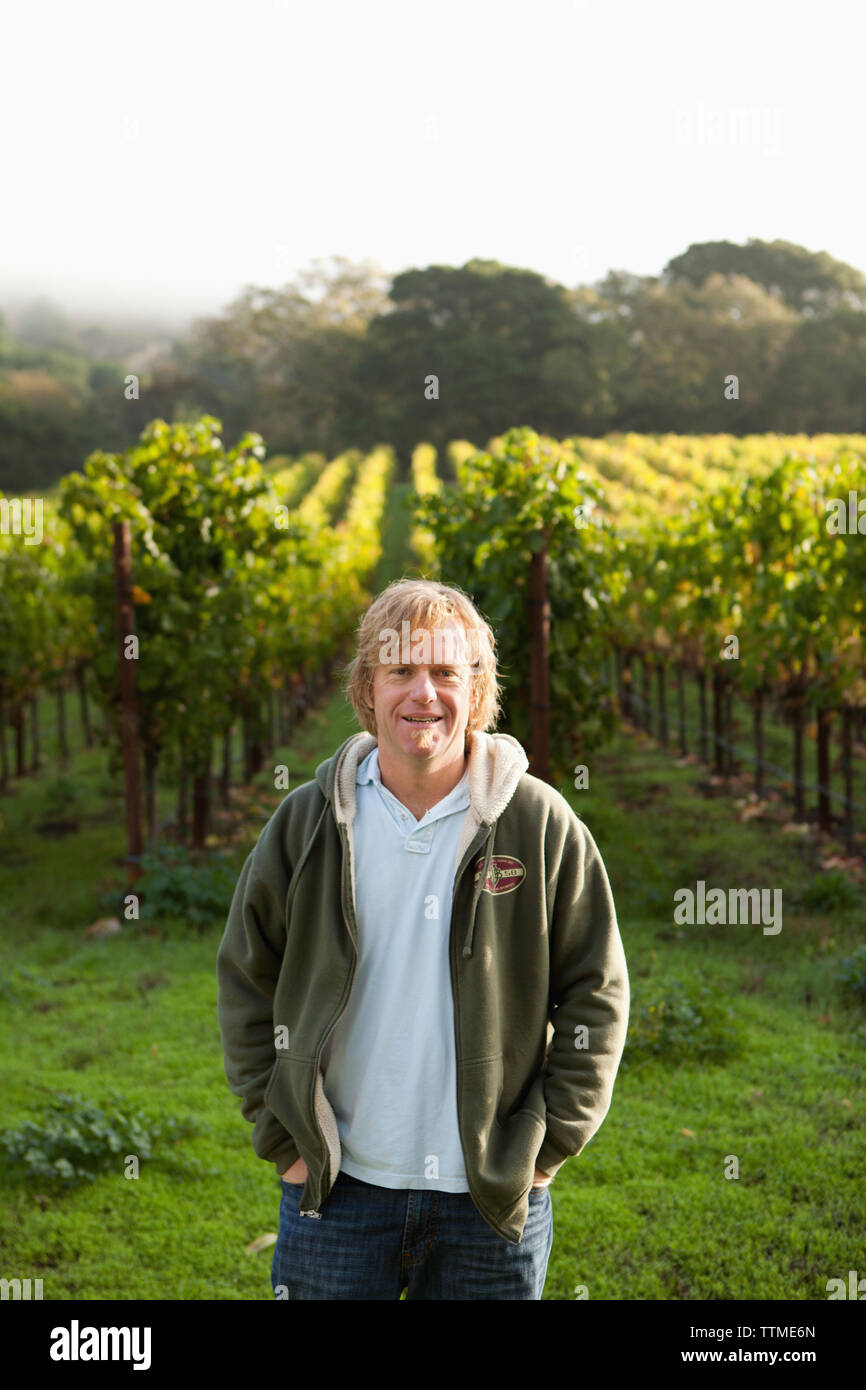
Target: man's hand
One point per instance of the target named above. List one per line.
(297, 1172)
(541, 1179)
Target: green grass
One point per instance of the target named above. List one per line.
(646, 1212)
(135, 1014)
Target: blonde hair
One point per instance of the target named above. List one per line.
(425, 604)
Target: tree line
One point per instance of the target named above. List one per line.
(345, 356)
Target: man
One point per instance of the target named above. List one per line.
(423, 995)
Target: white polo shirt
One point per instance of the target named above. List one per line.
(390, 1063)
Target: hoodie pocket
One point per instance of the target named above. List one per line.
(504, 1147)
(288, 1097)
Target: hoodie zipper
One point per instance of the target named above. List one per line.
(457, 1040)
(314, 1212)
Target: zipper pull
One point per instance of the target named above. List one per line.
(316, 1214)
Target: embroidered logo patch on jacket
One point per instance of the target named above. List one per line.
(504, 873)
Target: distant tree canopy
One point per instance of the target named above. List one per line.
(812, 282)
(347, 356)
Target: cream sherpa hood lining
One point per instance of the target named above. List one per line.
(496, 764)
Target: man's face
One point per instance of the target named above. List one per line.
(422, 708)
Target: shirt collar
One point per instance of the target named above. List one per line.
(368, 771)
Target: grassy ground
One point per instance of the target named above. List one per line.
(767, 1066)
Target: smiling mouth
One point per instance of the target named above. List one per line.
(422, 719)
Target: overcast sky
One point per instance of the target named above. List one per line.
(163, 155)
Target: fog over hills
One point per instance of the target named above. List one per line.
(105, 327)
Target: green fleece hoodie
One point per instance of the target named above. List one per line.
(538, 976)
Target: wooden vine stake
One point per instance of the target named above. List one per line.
(126, 680)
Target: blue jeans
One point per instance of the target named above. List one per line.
(373, 1242)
